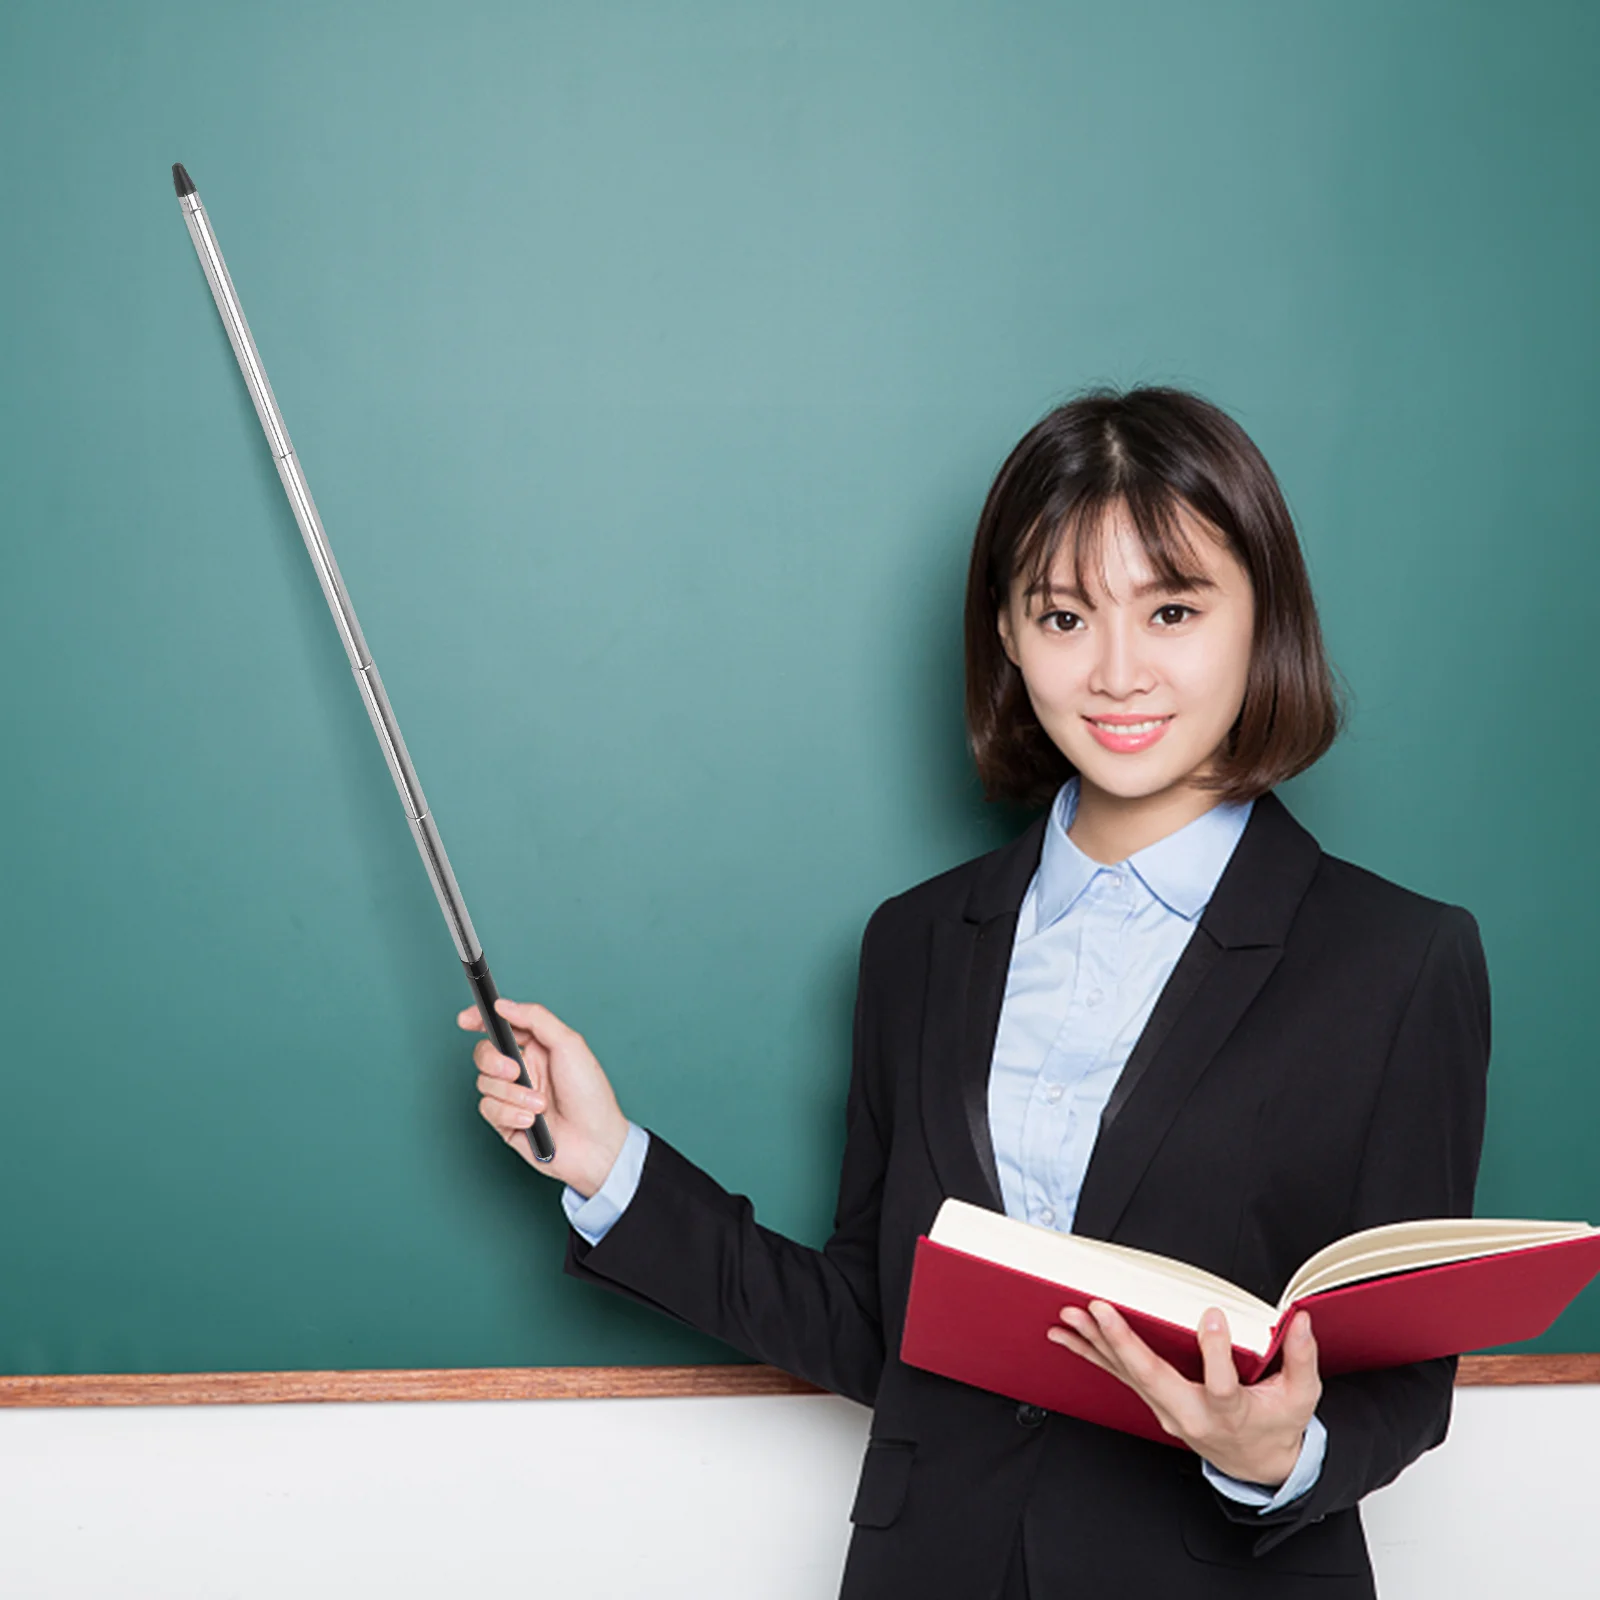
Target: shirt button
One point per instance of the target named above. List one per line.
(1113, 880)
(1030, 1416)
(1047, 1216)
(1054, 1092)
(1094, 997)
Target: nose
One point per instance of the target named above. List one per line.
(1120, 669)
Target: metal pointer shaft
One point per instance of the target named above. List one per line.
(429, 845)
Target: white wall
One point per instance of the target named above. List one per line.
(615, 1499)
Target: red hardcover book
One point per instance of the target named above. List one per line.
(985, 1288)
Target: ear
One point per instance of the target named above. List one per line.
(1007, 642)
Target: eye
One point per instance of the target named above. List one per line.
(1047, 617)
(1188, 610)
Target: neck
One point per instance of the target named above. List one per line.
(1110, 827)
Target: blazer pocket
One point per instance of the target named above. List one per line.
(885, 1476)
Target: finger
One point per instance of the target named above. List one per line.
(534, 1061)
(472, 1020)
(515, 1137)
(505, 1119)
(1300, 1376)
(1216, 1352)
(1145, 1370)
(1088, 1330)
(1079, 1346)
(1079, 1320)
(529, 1067)
(540, 1021)
(1174, 1401)
(491, 1064)
(511, 1094)
(541, 1033)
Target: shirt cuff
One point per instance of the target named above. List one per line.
(1305, 1473)
(593, 1217)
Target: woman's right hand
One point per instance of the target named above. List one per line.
(569, 1086)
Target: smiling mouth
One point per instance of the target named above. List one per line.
(1128, 724)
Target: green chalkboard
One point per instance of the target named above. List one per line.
(649, 364)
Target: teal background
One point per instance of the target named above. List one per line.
(649, 364)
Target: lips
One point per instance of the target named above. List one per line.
(1127, 734)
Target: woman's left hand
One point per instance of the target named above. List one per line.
(1249, 1431)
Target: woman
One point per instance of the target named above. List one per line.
(1160, 1016)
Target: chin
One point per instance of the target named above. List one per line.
(1126, 777)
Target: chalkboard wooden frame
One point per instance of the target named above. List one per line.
(557, 1383)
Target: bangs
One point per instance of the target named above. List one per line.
(1157, 514)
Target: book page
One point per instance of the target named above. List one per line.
(1137, 1279)
(1429, 1242)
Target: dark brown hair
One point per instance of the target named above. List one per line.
(1156, 452)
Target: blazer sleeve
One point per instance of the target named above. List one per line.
(688, 1247)
(1421, 1160)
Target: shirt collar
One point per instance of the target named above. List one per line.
(1181, 870)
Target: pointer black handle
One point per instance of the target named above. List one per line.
(505, 1042)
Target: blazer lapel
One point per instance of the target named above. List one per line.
(1229, 957)
(968, 963)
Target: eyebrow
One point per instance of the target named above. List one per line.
(1156, 586)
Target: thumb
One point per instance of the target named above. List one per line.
(545, 1026)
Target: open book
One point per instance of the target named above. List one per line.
(986, 1287)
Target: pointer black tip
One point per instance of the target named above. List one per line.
(181, 181)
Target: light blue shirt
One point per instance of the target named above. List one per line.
(1094, 947)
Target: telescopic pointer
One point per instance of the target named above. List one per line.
(429, 844)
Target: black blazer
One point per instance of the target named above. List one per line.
(1315, 1064)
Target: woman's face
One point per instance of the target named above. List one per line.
(1117, 658)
